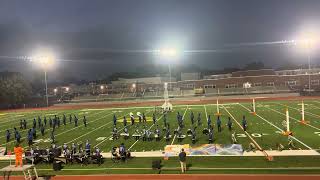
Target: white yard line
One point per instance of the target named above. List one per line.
(316, 102)
(205, 110)
(306, 112)
(80, 126)
(121, 108)
(30, 121)
(148, 107)
(276, 127)
(89, 132)
(292, 118)
(183, 120)
(15, 120)
(148, 129)
(248, 135)
(111, 135)
(314, 106)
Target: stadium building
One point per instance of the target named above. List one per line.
(263, 81)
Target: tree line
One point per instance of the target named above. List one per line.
(14, 88)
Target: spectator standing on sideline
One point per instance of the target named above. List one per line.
(182, 158)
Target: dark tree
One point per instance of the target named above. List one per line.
(14, 88)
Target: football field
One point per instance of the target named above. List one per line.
(264, 129)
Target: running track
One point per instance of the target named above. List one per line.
(185, 176)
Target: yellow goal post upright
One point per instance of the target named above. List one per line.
(253, 112)
(287, 132)
(218, 108)
(303, 121)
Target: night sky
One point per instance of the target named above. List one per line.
(93, 38)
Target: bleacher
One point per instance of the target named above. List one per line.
(232, 91)
(282, 89)
(187, 92)
(261, 90)
(153, 94)
(211, 92)
(174, 93)
(177, 92)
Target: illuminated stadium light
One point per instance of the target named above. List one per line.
(101, 87)
(134, 86)
(46, 60)
(168, 53)
(67, 89)
(55, 90)
(307, 41)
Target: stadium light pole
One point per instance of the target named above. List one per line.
(309, 64)
(46, 82)
(170, 54)
(308, 43)
(45, 61)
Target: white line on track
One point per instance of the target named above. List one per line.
(276, 127)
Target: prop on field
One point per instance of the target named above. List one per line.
(205, 149)
(253, 107)
(189, 132)
(218, 110)
(2, 151)
(302, 114)
(167, 106)
(286, 123)
(131, 114)
(125, 135)
(136, 134)
(205, 131)
(174, 150)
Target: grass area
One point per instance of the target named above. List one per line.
(249, 165)
(264, 128)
